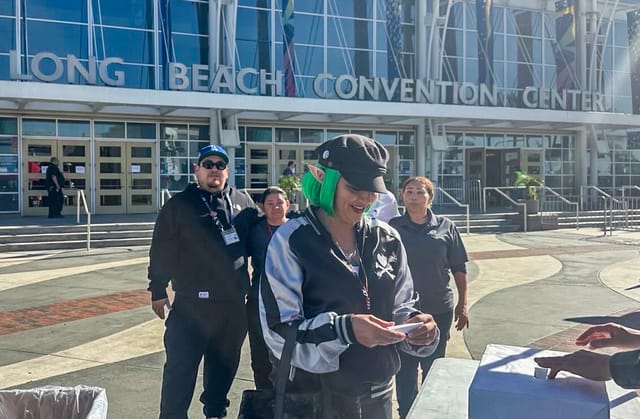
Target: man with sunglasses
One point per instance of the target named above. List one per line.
(196, 247)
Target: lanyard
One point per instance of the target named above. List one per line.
(212, 213)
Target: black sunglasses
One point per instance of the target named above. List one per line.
(208, 164)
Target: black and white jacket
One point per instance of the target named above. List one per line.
(306, 277)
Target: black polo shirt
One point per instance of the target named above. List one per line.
(433, 250)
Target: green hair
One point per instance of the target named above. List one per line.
(321, 194)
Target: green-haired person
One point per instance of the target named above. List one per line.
(345, 276)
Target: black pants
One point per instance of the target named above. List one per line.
(197, 328)
(260, 363)
(56, 199)
(407, 377)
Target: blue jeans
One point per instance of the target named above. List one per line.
(407, 377)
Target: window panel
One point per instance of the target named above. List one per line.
(191, 49)
(142, 131)
(7, 34)
(38, 127)
(74, 129)
(132, 46)
(341, 33)
(173, 132)
(246, 27)
(309, 60)
(309, 29)
(109, 129)
(199, 132)
(189, 17)
(58, 38)
(127, 13)
(65, 10)
(8, 126)
(348, 8)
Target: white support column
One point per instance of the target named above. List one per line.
(156, 45)
(421, 149)
(231, 10)
(422, 46)
(18, 34)
(214, 38)
(581, 159)
(581, 43)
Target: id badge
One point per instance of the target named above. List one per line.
(230, 236)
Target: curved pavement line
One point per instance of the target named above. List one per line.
(498, 274)
(143, 339)
(14, 280)
(623, 278)
(17, 258)
(485, 243)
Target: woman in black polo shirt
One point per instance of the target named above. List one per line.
(434, 248)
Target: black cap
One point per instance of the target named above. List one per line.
(359, 159)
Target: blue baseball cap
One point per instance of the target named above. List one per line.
(213, 150)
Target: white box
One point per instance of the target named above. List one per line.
(504, 388)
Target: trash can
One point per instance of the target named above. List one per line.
(54, 402)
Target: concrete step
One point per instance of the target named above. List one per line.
(74, 244)
(74, 236)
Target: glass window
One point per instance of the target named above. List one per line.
(65, 10)
(139, 130)
(386, 137)
(190, 49)
(109, 129)
(171, 148)
(407, 138)
(309, 60)
(173, 132)
(7, 34)
(246, 27)
(8, 126)
(127, 13)
(9, 145)
(309, 29)
(341, 33)
(351, 8)
(315, 136)
(59, 38)
(199, 132)
(132, 46)
(111, 151)
(195, 146)
(4, 67)
(287, 135)
(136, 76)
(260, 134)
(74, 129)
(9, 202)
(74, 150)
(310, 6)
(38, 127)
(189, 17)
(248, 57)
(407, 153)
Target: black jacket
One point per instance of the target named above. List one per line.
(304, 277)
(188, 248)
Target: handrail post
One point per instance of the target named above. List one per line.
(484, 200)
(78, 206)
(525, 215)
(468, 221)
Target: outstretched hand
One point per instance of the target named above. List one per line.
(609, 335)
(587, 364)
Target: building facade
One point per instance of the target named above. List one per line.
(125, 92)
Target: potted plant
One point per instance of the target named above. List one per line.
(291, 185)
(531, 183)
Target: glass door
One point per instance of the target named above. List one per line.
(259, 168)
(111, 178)
(141, 178)
(126, 177)
(74, 160)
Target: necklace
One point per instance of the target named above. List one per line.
(354, 260)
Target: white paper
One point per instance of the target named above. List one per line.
(79, 169)
(504, 387)
(43, 169)
(135, 168)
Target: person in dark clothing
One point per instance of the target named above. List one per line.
(434, 248)
(345, 277)
(275, 206)
(196, 247)
(54, 179)
(622, 367)
(290, 169)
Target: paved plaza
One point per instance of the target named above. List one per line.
(77, 317)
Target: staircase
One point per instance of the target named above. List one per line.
(25, 234)
(495, 222)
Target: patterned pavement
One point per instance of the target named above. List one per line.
(69, 318)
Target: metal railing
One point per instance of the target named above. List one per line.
(164, 192)
(455, 201)
(80, 197)
(508, 198)
(544, 203)
(587, 202)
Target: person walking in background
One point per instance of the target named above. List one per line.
(196, 247)
(434, 248)
(345, 277)
(275, 206)
(290, 169)
(622, 367)
(54, 179)
(385, 208)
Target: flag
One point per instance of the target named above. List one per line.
(565, 51)
(485, 41)
(289, 51)
(394, 39)
(633, 31)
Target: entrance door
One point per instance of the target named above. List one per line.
(126, 181)
(301, 155)
(74, 159)
(259, 170)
